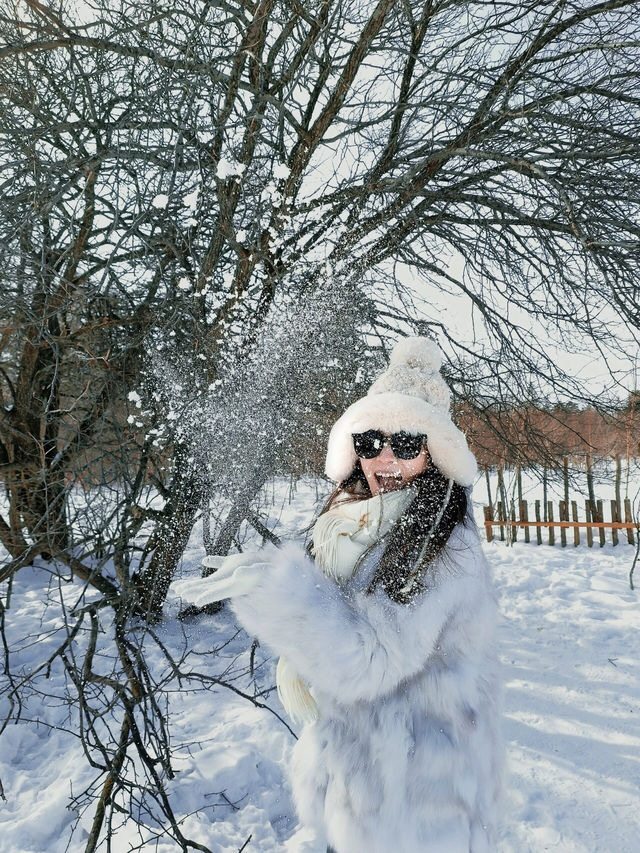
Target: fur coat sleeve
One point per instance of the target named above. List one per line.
(356, 646)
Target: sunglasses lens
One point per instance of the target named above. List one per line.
(406, 446)
(368, 445)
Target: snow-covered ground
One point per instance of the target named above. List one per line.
(570, 640)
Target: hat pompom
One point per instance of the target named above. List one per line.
(414, 369)
(417, 353)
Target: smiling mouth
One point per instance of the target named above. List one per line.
(389, 482)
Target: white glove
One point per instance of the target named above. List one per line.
(236, 574)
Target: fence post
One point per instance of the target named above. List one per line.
(576, 529)
(563, 516)
(538, 529)
(552, 532)
(601, 518)
(589, 517)
(615, 517)
(488, 518)
(524, 516)
(628, 520)
(514, 529)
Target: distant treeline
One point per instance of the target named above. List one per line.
(532, 435)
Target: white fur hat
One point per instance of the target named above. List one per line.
(410, 395)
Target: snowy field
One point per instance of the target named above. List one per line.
(570, 641)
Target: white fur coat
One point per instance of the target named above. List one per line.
(405, 756)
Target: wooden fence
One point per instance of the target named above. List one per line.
(594, 524)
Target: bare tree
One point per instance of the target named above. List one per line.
(201, 200)
(188, 167)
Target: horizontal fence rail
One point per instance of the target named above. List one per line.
(509, 523)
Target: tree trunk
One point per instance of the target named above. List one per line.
(169, 538)
(591, 490)
(235, 517)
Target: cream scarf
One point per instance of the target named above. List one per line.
(341, 537)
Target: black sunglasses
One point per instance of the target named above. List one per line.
(369, 444)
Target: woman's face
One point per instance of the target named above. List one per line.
(387, 473)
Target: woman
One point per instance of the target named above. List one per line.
(386, 630)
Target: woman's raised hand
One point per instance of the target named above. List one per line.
(235, 575)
